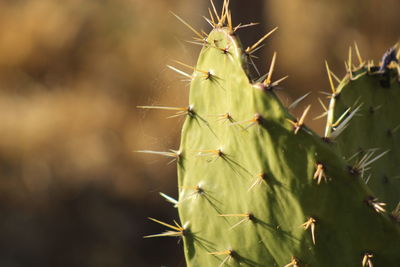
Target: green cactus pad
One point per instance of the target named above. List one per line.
(374, 130)
(246, 179)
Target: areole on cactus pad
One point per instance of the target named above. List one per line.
(258, 188)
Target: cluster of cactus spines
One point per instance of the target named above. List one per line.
(371, 142)
(256, 186)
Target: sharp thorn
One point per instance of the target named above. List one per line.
(249, 50)
(188, 25)
(330, 77)
(267, 81)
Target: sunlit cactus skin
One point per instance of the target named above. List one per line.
(375, 128)
(236, 216)
(256, 186)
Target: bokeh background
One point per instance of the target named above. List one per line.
(72, 190)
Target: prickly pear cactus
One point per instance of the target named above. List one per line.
(371, 141)
(256, 186)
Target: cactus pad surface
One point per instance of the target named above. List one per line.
(257, 188)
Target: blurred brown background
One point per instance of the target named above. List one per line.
(72, 191)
